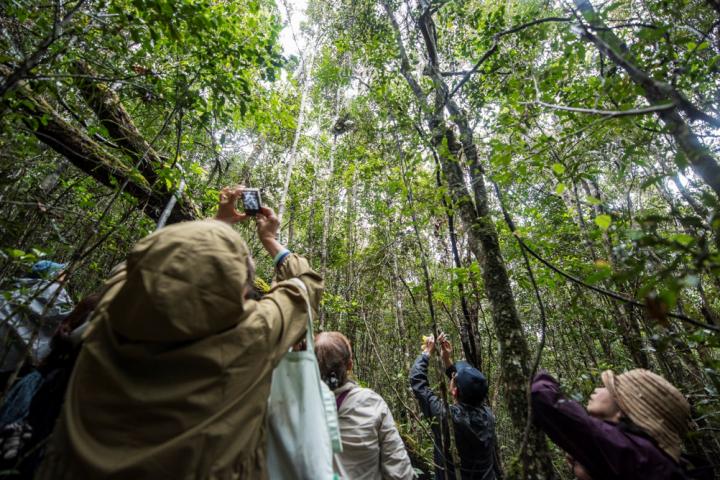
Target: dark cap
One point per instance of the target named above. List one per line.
(471, 383)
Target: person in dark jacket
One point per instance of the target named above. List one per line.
(29, 317)
(29, 411)
(473, 422)
(633, 426)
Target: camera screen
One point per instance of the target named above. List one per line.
(251, 201)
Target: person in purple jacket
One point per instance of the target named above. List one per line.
(633, 426)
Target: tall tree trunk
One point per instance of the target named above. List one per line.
(328, 204)
(483, 241)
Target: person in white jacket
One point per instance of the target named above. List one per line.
(372, 447)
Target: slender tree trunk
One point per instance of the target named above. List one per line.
(327, 212)
(296, 138)
(483, 241)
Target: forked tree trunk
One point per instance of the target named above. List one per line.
(483, 240)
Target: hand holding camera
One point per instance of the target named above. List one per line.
(226, 208)
(267, 222)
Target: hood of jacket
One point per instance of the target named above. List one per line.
(181, 283)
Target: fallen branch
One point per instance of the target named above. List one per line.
(87, 155)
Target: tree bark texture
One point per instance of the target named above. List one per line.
(698, 155)
(482, 237)
(85, 154)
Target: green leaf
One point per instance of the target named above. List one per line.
(558, 168)
(560, 188)
(683, 239)
(603, 221)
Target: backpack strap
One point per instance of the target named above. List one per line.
(340, 399)
(309, 338)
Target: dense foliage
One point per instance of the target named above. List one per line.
(432, 149)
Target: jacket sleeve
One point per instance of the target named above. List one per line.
(394, 461)
(284, 308)
(599, 446)
(430, 404)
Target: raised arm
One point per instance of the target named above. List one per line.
(599, 446)
(430, 404)
(284, 309)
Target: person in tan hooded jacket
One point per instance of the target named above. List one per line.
(174, 376)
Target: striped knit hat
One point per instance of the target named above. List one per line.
(653, 404)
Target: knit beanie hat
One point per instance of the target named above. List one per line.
(653, 404)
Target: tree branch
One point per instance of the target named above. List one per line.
(50, 128)
(661, 90)
(604, 113)
(494, 46)
(657, 92)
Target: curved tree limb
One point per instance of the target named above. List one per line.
(656, 92)
(87, 155)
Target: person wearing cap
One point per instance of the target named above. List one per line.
(174, 375)
(632, 428)
(473, 422)
(29, 318)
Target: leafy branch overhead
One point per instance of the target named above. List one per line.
(540, 181)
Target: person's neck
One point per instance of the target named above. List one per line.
(614, 418)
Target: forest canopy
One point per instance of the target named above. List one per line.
(539, 180)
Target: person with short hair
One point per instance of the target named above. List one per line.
(372, 447)
(633, 426)
(473, 422)
(174, 375)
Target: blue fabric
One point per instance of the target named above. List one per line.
(280, 257)
(46, 267)
(17, 402)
